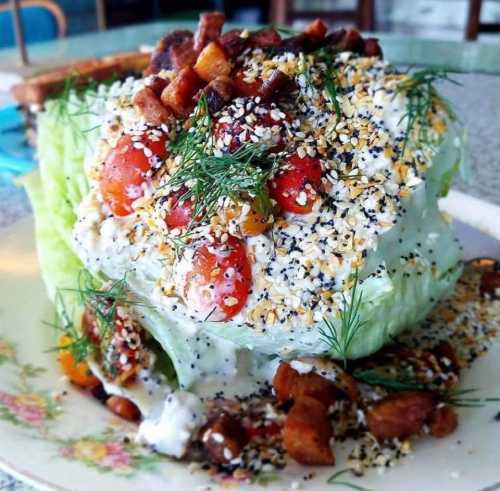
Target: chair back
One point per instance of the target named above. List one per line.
(362, 15)
(474, 24)
(42, 20)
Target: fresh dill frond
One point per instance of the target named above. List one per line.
(74, 101)
(378, 377)
(422, 99)
(331, 82)
(334, 480)
(339, 338)
(456, 398)
(80, 345)
(209, 178)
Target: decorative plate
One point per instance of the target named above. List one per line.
(55, 438)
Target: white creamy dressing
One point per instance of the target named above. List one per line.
(171, 425)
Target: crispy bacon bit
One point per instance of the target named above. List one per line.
(372, 47)
(209, 29)
(307, 433)
(246, 89)
(217, 92)
(212, 62)
(178, 95)
(183, 54)
(274, 85)
(233, 43)
(296, 44)
(161, 58)
(291, 385)
(490, 283)
(316, 30)
(151, 108)
(124, 408)
(224, 438)
(265, 38)
(400, 415)
(443, 421)
(157, 84)
(351, 41)
(334, 38)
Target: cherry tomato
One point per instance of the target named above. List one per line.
(125, 170)
(220, 280)
(180, 212)
(240, 134)
(296, 187)
(78, 372)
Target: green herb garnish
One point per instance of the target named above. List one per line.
(331, 82)
(80, 346)
(422, 98)
(210, 178)
(340, 339)
(455, 398)
(334, 480)
(376, 376)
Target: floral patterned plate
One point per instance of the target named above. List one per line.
(54, 437)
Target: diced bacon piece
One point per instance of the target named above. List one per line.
(183, 54)
(316, 30)
(218, 92)
(246, 89)
(233, 43)
(307, 433)
(274, 85)
(209, 29)
(372, 47)
(490, 283)
(178, 95)
(351, 41)
(400, 415)
(151, 108)
(161, 57)
(212, 62)
(157, 84)
(443, 422)
(224, 438)
(265, 38)
(291, 385)
(334, 38)
(295, 44)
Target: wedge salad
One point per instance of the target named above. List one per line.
(234, 240)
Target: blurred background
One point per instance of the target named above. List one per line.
(437, 19)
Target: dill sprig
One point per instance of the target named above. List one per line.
(331, 82)
(334, 480)
(210, 178)
(74, 101)
(378, 377)
(80, 346)
(455, 398)
(339, 339)
(422, 98)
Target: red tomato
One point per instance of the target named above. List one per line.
(125, 170)
(239, 133)
(295, 188)
(220, 280)
(180, 212)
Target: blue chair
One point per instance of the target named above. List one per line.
(42, 20)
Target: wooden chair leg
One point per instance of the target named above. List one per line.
(279, 11)
(473, 20)
(366, 15)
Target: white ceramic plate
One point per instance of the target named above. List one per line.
(76, 444)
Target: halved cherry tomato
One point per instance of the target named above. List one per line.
(220, 280)
(180, 212)
(125, 170)
(296, 187)
(263, 431)
(78, 373)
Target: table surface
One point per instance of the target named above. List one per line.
(476, 101)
